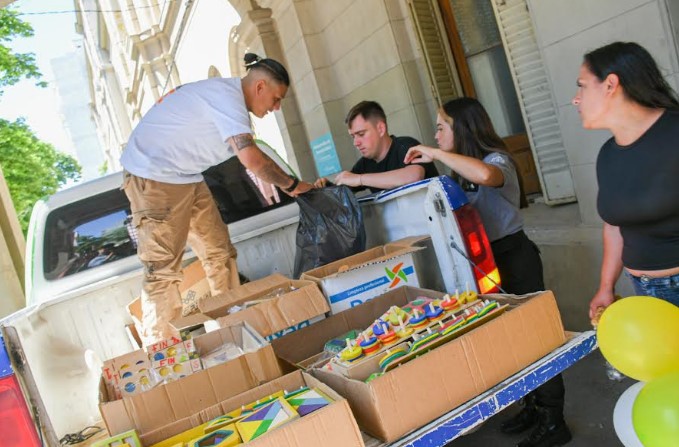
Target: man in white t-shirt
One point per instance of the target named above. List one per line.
(192, 128)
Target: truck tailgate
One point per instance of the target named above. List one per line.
(469, 415)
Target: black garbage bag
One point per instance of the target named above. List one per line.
(330, 227)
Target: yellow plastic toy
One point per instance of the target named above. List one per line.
(350, 352)
(397, 316)
(224, 437)
(129, 438)
(468, 296)
(218, 423)
(406, 332)
(182, 438)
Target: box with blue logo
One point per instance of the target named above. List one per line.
(351, 281)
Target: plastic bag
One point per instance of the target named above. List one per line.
(330, 227)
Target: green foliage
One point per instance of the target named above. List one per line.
(15, 66)
(103, 168)
(32, 168)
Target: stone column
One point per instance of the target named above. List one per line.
(12, 248)
(292, 125)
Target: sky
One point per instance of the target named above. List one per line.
(54, 36)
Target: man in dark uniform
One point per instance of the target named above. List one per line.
(381, 165)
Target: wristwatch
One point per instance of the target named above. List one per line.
(295, 182)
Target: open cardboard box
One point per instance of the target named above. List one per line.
(331, 426)
(425, 388)
(356, 279)
(193, 289)
(184, 397)
(219, 305)
(274, 317)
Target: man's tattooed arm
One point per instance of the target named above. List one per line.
(241, 141)
(253, 158)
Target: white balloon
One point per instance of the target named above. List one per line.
(622, 416)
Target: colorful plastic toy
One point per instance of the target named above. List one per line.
(434, 313)
(308, 401)
(370, 345)
(128, 438)
(351, 353)
(391, 356)
(224, 437)
(266, 418)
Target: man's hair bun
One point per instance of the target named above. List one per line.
(272, 67)
(251, 59)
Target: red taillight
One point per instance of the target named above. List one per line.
(16, 424)
(478, 249)
(475, 246)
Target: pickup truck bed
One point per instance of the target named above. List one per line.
(471, 414)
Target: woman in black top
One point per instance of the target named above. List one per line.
(620, 88)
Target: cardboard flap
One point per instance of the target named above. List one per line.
(410, 241)
(190, 322)
(390, 252)
(217, 306)
(254, 316)
(311, 340)
(194, 392)
(122, 422)
(361, 398)
(369, 257)
(148, 410)
(298, 306)
(241, 335)
(263, 365)
(193, 273)
(134, 309)
(277, 314)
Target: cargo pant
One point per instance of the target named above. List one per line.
(167, 216)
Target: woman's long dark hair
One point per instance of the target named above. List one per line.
(475, 136)
(639, 75)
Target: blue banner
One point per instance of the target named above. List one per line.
(325, 155)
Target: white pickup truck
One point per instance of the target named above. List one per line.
(82, 271)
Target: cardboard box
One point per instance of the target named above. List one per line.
(274, 317)
(219, 306)
(330, 426)
(354, 280)
(193, 288)
(133, 336)
(182, 398)
(441, 379)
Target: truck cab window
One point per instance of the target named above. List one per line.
(87, 234)
(239, 193)
(97, 230)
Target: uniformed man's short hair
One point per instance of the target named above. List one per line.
(369, 110)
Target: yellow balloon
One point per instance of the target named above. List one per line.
(639, 336)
